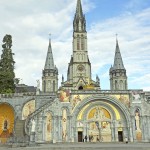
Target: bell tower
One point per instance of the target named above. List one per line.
(117, 72)
(79, 69)
(50, 73)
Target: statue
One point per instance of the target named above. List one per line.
(137, 121)
(5, 125)
(97, 80)
(99, 114)
(38, 84)
(7, 40)
(33, 126)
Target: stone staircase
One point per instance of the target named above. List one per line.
(36, 112)
(19, 128)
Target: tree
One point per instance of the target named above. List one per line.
(7, 74)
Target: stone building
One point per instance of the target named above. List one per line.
(79, 107)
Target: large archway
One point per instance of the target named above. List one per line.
(102, 117)
(7, 116)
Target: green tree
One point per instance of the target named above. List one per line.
(7, 62)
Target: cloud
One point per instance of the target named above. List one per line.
(30, 22)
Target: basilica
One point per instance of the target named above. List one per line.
(79, 109)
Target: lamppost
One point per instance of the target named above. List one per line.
(99, 129)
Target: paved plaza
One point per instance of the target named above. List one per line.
(83, 146)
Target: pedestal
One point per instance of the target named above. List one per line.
(32, 138)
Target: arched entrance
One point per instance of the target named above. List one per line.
(102, 118)
(98, 124)
(7, 116)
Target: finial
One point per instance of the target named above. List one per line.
(116, 37)
(50, 36)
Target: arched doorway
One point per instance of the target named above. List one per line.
(105, 117)
(7, 116)
(98, 124)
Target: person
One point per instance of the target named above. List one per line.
(97, 138)
(89, 138)
(85, 138)
(38, 84)
(126, 140)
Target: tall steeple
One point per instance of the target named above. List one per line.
(118, 77)
(50, 73)
(118, 63)
(79, 23)
(49, 63)
(79, 69)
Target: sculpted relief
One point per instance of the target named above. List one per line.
(99, 121)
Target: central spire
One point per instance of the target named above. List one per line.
(79, 23)
(79, 12)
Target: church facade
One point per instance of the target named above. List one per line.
(78, 109)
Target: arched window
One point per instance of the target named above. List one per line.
(78, 43)
(44, 86)
(53, 86)
(121, 85)
(116, 85)
(82, 43)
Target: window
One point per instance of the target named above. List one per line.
(78, 43)
(82, 43)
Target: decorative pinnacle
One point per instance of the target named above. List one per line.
(116, 37)
(50, 35)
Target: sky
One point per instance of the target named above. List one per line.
(31, 21)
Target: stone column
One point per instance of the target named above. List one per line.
(44, 127)
(55, 129)
(39, 129)
(148, 126)
(59, 125)
(147, 129)
(112, 132)
(130, 132)
(144, 129)
(133, 127)
(69, 129)
(116, 131)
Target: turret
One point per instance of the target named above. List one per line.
(50, 73)
(117, 72)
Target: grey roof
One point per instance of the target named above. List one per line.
(118, 62)
(22, 88)
(49, 64)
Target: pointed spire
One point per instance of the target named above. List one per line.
(79, 12)
(118, 62)
(49, 64)
(79, 22)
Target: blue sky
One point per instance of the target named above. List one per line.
(30, 22)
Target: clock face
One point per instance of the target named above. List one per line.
(80, 67)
